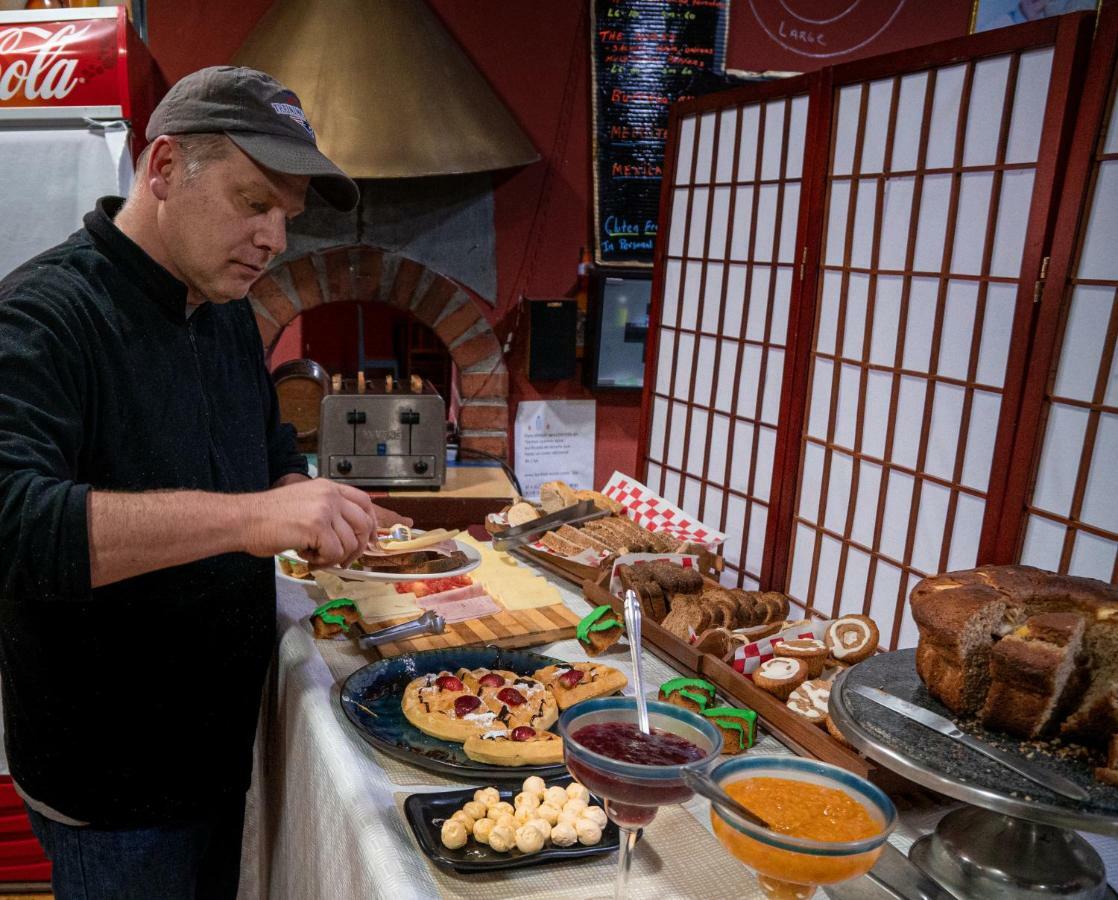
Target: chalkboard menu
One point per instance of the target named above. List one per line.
(645, 54)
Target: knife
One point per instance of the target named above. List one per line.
(929, 719)
(583, 511)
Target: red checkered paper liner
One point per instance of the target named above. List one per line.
(636, 559)
(657, 514)
(749, 656)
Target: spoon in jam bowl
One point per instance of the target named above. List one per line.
(701, 783)
(633, 630)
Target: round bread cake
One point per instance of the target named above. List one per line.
(1027, 651)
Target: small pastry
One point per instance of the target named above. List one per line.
(563, 835)
(475, 810)
(556, 796)
(509, 821)
(528, 839)
(500, 809)
(833, 731)
(595, 814)
(453, 834)
(578, 791)
(482, 827)
(599, 631)
(588, 832)
(487, 796)
(780, 675)
(523, 815)
(502, 838)
(541, 826)
(810, 700)
(810, 650)
(694, 694)
(526, 800)
(576, 805)
(548, 813)
(570, 817)
(334, 618)
(738, 727)
(851, 639)
(533, 784)
(466, 819)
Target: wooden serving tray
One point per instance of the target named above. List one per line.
(577, 573)
(511, 628)
(791, 729)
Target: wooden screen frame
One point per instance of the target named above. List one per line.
(1069, 37)
(1056, 290)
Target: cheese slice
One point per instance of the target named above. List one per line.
(376, 601)
(512, 585)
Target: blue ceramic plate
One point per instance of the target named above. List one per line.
(371, 698)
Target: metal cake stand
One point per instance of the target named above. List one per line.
(1015, 838)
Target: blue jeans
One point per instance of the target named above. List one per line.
(198, 859)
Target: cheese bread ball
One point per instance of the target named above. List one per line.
(487, 796)
(482, 828)
(502, 838)
(576, 791)
(541, 826)
(534, 785)
(563, 835)
(528, 839)
(569, 818)
(576, 806)
(588, 832)
(466, 820)
(556, 796)
(508, 821)
(475, 810)
(548, 813)
(453, 834)
(526, 800)
(523, 814)
(500, 809)
(595, 814)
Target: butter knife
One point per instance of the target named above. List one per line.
(929, 719)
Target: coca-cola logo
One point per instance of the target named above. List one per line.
(37, 63)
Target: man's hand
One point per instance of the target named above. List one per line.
(327, 523)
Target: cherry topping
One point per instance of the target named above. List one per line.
(491, 680)
(465, 705)
(523, 733)
(511, 697)
(571, 678)
(450, 683)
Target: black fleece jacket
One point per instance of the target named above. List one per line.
(134, 703)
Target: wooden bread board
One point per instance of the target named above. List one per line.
(576, 573)
(791, 729)
(510, 628)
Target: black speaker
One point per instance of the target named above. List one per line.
(551, 348)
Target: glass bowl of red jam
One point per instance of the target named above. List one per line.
(636, 773)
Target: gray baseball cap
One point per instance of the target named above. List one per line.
(259, 115)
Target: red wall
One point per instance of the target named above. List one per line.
(533, 54)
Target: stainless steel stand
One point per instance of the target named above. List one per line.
(1006, 845)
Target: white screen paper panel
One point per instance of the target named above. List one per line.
(1072, 516)
(724, 322)
(924, 235)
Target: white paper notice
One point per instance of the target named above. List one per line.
(555, 442)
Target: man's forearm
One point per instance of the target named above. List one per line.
(130, 534)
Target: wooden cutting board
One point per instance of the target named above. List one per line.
(519, 628)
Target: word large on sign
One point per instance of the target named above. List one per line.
(68, 63)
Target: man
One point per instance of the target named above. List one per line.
(145, 482)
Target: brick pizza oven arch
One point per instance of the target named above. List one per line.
(358, 273)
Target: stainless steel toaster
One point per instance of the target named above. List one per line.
(390, 434)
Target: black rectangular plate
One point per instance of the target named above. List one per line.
(427, 812)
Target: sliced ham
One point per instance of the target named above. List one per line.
(433, 601)
(463, 608)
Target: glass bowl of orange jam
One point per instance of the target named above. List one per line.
(827, 825)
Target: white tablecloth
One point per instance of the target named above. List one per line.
(322, 820)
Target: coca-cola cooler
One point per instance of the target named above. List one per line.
(74, 86)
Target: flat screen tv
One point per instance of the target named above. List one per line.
(617, 328)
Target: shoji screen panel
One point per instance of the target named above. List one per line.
(937, 174)
(1068, 472)
(724, 279)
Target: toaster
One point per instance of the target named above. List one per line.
(384, 434)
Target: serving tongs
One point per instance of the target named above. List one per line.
(428, 623)
(583, 511)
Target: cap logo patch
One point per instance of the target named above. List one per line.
(295, 114)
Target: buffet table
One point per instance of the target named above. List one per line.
(324, 813)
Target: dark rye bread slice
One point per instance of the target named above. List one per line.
(585, 541)
(957, 629)
(1030, 672)
(674, 578)
(616, 542)
(634, 537)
